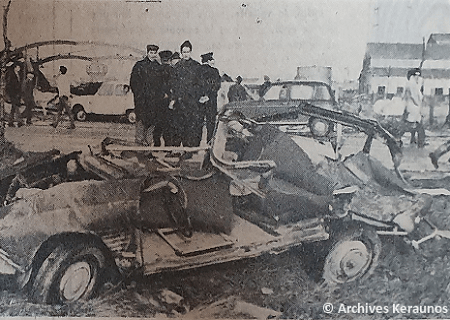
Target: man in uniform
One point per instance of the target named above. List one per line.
(210, 78)
(148, 94)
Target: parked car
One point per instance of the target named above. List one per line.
(281, 98)
(101, 98)
(129, 208)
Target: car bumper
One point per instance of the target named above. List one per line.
(7, 266)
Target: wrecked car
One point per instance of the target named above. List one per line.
(132, 208)
(280, 98)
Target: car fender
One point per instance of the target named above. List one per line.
(74, 207)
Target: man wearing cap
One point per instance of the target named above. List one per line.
(413, 107)
(186, 92)
(145, 83)
(163, 116)
(237, 91)
(175, 58)
(210, 85)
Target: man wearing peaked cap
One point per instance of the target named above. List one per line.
(152, 47)
(207, 57)
(163, 114)
(147, 90)
(210, 85)
(165, 56)
(175, 58)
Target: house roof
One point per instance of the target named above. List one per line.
(394, 50)
(439, 38)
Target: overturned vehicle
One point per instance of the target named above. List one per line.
(126, 208)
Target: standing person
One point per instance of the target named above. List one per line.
(28, 97)
(13, 89)
(146, 86)
(264, 86)
(237, 91)
(187, 92)
(162, 124)
(174, 124)
(63, 85)
(210, 78)
(413, 107)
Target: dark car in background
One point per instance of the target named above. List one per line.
(280, 102)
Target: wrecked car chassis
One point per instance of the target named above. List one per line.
(128, 208)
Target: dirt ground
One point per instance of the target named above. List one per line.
(276, 286)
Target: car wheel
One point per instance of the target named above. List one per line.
(71, 272)
(79, 113)
(319, 127)
(354, 255)
(131, 116)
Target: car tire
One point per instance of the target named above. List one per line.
(353, 255)
(71, 272)
(131, 116)
(79, 113)
(319, 127)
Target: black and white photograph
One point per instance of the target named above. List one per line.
(225, 159)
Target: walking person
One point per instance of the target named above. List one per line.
(13, 89)
(146, 87)
(63, 85)
(211, 81)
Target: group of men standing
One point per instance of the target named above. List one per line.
(20, 82)
(174, 98)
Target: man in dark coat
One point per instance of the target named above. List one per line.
(145, 83)
(13, 88)
(186, 89)
(237, 91)
(162, 128)
(210, 78)
(28, 97)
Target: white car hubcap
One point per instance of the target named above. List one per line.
(75, 281)
(348, 260)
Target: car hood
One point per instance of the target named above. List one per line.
(84, 206)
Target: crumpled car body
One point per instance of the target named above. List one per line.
(155, 209)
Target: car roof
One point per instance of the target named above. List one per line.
(289, 82)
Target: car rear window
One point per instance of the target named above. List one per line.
(273, 93)
(302, 92)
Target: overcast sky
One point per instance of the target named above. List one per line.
(248, 37)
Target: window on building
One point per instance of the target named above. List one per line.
(439, 91)
(400, 91)
(381, 90)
